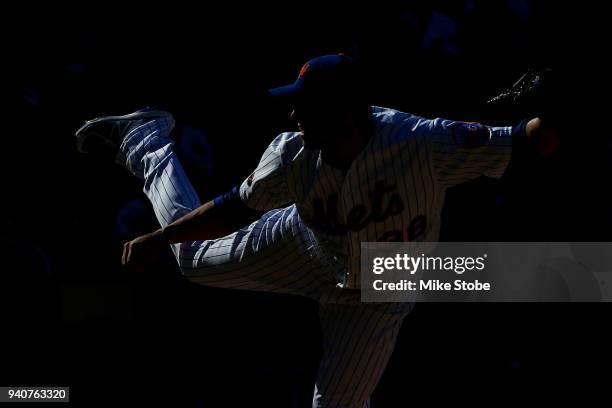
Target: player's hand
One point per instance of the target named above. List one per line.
(544, 139)
(142, 250)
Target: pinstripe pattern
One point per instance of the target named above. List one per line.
(456, 161)
(277, 253)
(358, 341)
(412, 160)
(393, 191)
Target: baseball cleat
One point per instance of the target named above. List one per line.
(104, 134)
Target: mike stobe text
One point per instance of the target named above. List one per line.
(431, 285)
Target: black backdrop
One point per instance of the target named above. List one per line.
(73, 316)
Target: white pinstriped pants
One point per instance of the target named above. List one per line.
(276, 253)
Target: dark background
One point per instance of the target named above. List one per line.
(73, 317)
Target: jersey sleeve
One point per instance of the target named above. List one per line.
(267, 187)
(461, 151)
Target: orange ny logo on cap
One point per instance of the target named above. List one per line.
(303, 70)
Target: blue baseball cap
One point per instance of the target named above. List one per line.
(324, 76)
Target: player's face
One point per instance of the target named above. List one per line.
(319, 125)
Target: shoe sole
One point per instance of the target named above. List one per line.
(82, 137)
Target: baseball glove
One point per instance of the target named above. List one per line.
(535, 94)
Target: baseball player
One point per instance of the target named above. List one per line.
(352, 173)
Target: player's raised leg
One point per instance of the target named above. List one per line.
(141, 142)
(276, 253)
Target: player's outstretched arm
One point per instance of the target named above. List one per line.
(462, 151)
(203, 223)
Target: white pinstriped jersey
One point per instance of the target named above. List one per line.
(393, 191)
